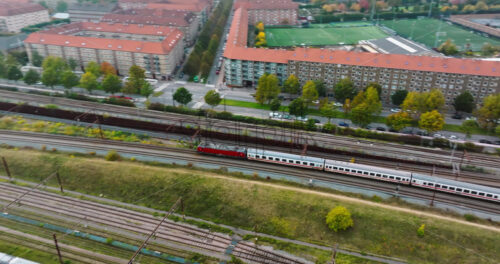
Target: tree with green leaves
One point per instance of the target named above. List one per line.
(488, 49)
(497, 131)
(267, 88)
(72, 64)
(136, 80)
(36, 59)
(183, 96)
(62, 6)
(69, 79)
(89, 81)
(365, 106)
(146, 89)
(329, 110)
(339, 218)
(291, 85)
(467, 127)
(431, 121)
(298, 107)
(399, 120)
(417, 103)
(212, 98)
(94, 68)
(31, 77)
(50, 77)
(13, 73)
(464, 102)
(344, 89)
(377, 86)
(448, 48)
(3, 66)
(275, 105)
(398, 97)
(56, 63)
(489, 113)
(111, 84)
(309, 92)
(320, 87)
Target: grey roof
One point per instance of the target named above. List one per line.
(91, 7)
(457, 183)
(284, 155)
(399, 45)
(12, 42)
(393, 172)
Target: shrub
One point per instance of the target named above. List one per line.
(421, 230)
(51, 106)
(119, 101)
(339, 218)
(329, 127)
(109, 240)
(112, 156)
(470, 217)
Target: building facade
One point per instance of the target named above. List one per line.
(185, 21)
(89, 12)
(244, 66)
(157, 49)
(16, 15)
(270, 12)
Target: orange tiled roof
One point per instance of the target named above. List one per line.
(61, 36)
(236, 49)
(166, 18)
(12, 8)
(193, 7)
(266, 4)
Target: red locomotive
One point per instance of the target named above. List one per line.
(222, 150)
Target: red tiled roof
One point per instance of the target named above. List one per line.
(151, 17)
(266, 4)
(193, 7)
(61, 37)
(237, 40)
(11, 8)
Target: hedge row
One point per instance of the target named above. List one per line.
(39, 26)
(327, 128)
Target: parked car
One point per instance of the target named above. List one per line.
(316, 121)
(452, 137)
(343, 124)
(437, 135)
(393, 130)
(380, 128)
(395, 110)
(338, 104)
(303, 119)
(121, 97)
(496, 142)
(485, 141)
(457, 116)
(422, 133)
(470, 118)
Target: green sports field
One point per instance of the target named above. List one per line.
(424, 31)
(321, 35)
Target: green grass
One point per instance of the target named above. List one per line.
(255, 105)
(474, 131)
(424, 31)
(252, 206)
(28, 253)
(321, 36)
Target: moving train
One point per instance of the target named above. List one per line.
(352, 169)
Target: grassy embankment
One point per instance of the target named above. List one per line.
(252, 205)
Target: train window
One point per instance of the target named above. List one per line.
(444, 187)
(452, 188)
(496, 196)
(459, 189)
(297, 162)
(372, 174)
(438, 185)
(311, 164)
(291, 161)
(304, 163)
(473, 192)
(384, 176)
(378, 175)
(431, 184)
(390, 177)
(360, 172)
(414, 181)
(482, 194)
(397, 178)
(335, 168)
(489, 195)
(347, 169)
(466, 191)
(284, 160)
(258, 156)
(264, 157)
(341, 169)
(365, 172)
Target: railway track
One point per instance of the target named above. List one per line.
(140, 223)
(391, 150)
(188, 156)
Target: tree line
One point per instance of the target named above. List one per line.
(202, 57)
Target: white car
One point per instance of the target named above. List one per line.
(452, 137)
(437, 135)
(337, 104)
(395, 110)
(274, 115)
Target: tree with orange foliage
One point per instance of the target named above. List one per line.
(107, 68)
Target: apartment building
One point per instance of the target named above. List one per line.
(185, 21)
(157, 49)
(15, 15)
(90, 12)
(271, 12)
(244, 66)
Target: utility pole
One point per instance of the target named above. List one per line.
(372, 14)
(334, 253)
(4, 209)
(59, 180)
(430, 9)
(6, 167)
(172, 209)
(57, 248)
